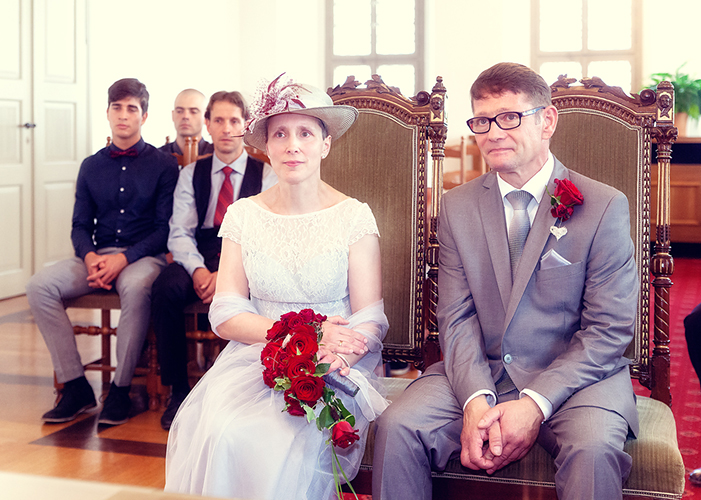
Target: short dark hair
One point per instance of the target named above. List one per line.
(511, 77)
(128, 87)
(234, 98)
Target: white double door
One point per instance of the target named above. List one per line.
(43, 133)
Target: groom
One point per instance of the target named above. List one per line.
(533, 325)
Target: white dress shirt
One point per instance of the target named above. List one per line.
(536, 187)
(184, 221)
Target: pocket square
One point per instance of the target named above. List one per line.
(553, 259)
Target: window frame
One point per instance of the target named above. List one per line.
(375, 60)
(586, 56)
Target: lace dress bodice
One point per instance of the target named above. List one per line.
(230, 437)
(298, 261)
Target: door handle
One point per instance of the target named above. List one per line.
(29, 125)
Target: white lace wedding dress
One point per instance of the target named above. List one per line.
(231, 438)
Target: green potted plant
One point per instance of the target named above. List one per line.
(687, 96)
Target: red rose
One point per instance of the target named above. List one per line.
(270, 355)
(568, 193)
(304, 329)
(319, 318)
(293, 406)
(277, 330)
(302, 344)
(562, 212)
(294, 322)
(269, 378)
(343, 435)
(285, 318)
(307, 315)
(298, 366)
(308, 389)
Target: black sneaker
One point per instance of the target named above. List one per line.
(76, 397)
(115, 410)
(175, 401)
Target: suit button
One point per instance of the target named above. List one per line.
(508, 359)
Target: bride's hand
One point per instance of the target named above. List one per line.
(338, 338)
(336, 362)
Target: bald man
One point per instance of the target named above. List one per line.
(188, 118)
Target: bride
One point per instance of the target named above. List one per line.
(300, 244)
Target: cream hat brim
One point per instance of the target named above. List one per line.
(318, 104)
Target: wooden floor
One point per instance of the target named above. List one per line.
(130, 454)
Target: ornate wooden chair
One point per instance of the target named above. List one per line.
(383, 160)
(392, 159)
(106, 302)
(607, 135)
(602, 133)
(190, 154)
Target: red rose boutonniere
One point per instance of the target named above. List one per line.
(563, 201)
(291, 366)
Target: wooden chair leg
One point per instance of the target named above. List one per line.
(106, 348)
(157, 392)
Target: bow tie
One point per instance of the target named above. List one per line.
(116, 153)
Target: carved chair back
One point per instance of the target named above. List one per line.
(606, 134)
(383, 160)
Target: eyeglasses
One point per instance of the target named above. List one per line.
(507, 120)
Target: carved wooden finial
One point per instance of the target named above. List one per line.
(563, 82)
(597, 83)
(350, 84)
(377, 84)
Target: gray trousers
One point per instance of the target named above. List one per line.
(420, 431)
(67, 279)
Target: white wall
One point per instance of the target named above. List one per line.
(209, 45)
(467, 37)
(216, 45)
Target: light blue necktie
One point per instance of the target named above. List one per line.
(520, 225)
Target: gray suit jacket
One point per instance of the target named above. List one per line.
(564, 329)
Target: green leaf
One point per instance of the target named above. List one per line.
(309, 413)
(329, 395)
(321, 369)
(325, 419)
(342, 409)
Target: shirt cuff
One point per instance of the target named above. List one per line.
(192, 264)
(545, 406)
(491, 398)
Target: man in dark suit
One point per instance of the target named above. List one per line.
(204, 191)
(188, 119)
(536, 308)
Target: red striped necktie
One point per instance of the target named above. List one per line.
(226, 197)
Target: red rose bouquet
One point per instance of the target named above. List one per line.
(291, 366)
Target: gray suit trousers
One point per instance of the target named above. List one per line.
(67, 279)
(420, 432)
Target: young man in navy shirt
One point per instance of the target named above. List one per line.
(123, 201)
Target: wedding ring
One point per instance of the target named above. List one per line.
(340, 343)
